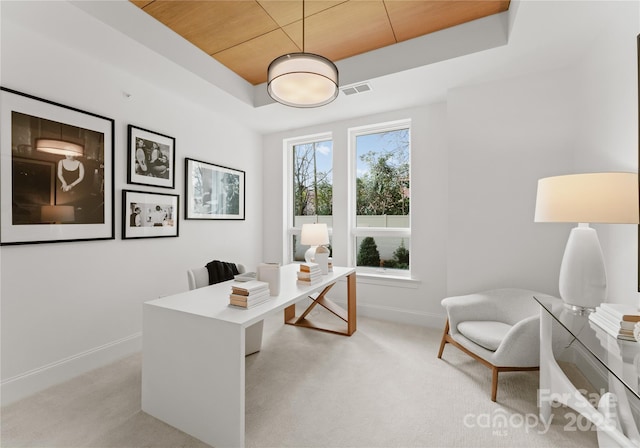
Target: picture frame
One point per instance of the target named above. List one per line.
(151, 158)
(149, 215)
(57, 172)
(213, 191)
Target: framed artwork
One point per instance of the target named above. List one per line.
(56, 176)
(149, 215)
(213, 191)
(151, 158)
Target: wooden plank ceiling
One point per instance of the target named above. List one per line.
(246, 35)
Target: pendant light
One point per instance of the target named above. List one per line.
(302, 79)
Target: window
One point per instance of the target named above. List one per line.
(380, 204)
(311, 188)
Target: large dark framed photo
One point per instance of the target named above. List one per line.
(151, 158)
(213, 191)
(56, 175)
(149, 215)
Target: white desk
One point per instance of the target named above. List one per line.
(193, 353)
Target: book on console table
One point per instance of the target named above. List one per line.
(611, 326)
(621, 312)
(310, 267)
(309, 276)
(249, 294)
(245, 306)
(253, 297)
(244, 303)
(308, 282)
(249, 288)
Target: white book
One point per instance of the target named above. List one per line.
(250, 286)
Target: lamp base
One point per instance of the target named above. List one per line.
(319, 255)
(579, 310)
(310, 254)
(583, 281)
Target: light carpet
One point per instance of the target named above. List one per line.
(381, 387)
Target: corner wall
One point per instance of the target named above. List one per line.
(607, 137)
(67, 308)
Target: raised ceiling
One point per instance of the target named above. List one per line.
(246, 35)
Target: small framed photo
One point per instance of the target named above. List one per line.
(213, 191)
(149, 215)
(151, 159)
(56, 175)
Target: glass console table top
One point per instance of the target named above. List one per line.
(619, 358)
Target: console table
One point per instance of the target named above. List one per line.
(193, 352)
(615, 360)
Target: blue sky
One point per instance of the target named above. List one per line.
(324, 155)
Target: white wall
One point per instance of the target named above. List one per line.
(70, 307)
(607, 137)
(503, 137)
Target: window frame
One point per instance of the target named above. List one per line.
(357, 232)
(290, 229)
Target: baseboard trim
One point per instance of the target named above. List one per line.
(36, 380)
(400, 315)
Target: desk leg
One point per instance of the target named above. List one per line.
(546, 358)
(348, 315)
(193, 375)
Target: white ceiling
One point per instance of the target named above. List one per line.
(533, 36)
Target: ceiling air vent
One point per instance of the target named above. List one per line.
(356, 88)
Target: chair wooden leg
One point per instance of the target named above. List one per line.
(444, 339)
(494, 384)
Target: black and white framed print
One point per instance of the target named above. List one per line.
(56, 172)
(149, 215)
(213, 191)
(151, 158)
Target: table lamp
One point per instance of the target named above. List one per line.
(586, 198)
(316, 235)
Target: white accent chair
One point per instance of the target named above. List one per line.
(500, 328)
(199, 277)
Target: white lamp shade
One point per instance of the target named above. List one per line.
(590, 198)
(586, 198)
(314, 234)
(59, 147)
(302, 80)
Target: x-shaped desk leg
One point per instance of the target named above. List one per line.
(348, 315)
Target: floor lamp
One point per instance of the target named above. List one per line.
(586, 198)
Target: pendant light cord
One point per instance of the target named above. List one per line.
(303, 26)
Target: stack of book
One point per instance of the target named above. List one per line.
(249, 294)
(309, 274)
(618, 320)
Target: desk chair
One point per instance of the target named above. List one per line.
(499, 328)
(199, 277)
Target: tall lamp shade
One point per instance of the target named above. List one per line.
(610, 198)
